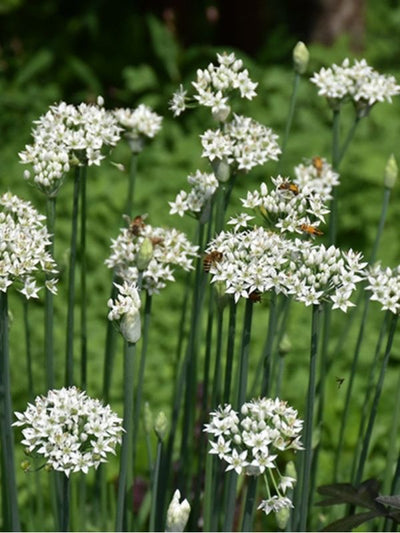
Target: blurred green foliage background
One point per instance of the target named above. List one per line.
(129, 53)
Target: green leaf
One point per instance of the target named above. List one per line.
(140, 79)
(348, 523)
(165, 46)
(37, 64)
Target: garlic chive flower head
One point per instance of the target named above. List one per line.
(24, 258)
(65, 136)
(138, 124)
(69, 430)
(243, 143)
(125, 309)
(252, 441)
(203, 186)
(359, 83)
(251, 261)
(177, 514)
(318, 274)
(213, 86)
(384, 284)
(170, 248)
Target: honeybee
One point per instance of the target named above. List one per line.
(289, 186)
(136, 225)
(156, 240)
(318, 164)
(210, 259)
(255, 296)
(311, 230)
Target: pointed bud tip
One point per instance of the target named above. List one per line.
(301, 56)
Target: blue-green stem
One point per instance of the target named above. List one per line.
(304, 485)
(347, 141)
(83, 291)
(142, 365)
(289, 120)
(131, 184)
(335, 164)
(241, 381)
(49, 300)
(27, 329)
(65, 501)
(230, 349)
(267, 352)
(369, 394)
(392, 449)
(69, 360)
(216, 391)
(154, 490)
(248, 515)
(125, 469)
(375, 402)
(110, 346)
(9, 483)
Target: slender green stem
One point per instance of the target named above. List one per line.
(69, 362)
(348, 140)
(374, 408)
(369, 394)
(248, 515)
(392, 449)
(110, 346)
(335, 164)
(216, 392)
(125, 472)
(49, 297)
(209, 492)
(9, 482)
(289, 120)
(140, 381)
(230, 349)
(304, 486)
(131, 184)
(83, 290)
(267, 352)
(154, 490)
(65, 503)
(28, 349)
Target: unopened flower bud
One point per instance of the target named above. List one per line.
(282, 517)
(147, 418)
(160, 425)
(291, 470)
(221, 170)
(391, 171)
(285, 345)
(301, 56)
(177, 514)
(130, 327)
(25, 465)
(222, 114)
(145, 254)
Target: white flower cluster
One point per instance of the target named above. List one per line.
(170, 247)
(177, 514)
(214, 84)
(251, 262)
(242, 142)
(138, 123)
(384, 283)
(23, 243)
(254, 261)
(71, 431)
(125, 308)
(68, 135)
(297, 205)
(318, 274)
(251, 441)
(203, 187)
(359, 83)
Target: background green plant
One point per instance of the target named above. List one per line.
(128, 73)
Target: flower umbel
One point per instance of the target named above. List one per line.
(69, 430)
(178, 513)
(251, 441)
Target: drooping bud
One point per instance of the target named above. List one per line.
(285, 345)
(301, 56)
(144, 254)
(130, 327)
(282, 517)
(221, 170)
(391, 172)
(160, 425)
(177, 514)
